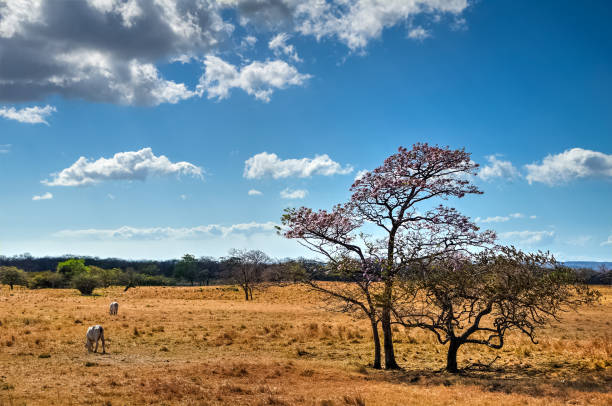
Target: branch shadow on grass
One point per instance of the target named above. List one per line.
(536, 382)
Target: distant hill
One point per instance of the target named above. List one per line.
(588, 264)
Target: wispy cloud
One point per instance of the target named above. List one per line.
(580, 241)
(46, 196)
(131, 165)
(360, 174)
(279, 45)
(170, 233)
(5, 148)
(254, 192)
(418, 33)
(529, 237)
(501, 219)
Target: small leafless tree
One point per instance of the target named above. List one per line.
(479, 299)
(245, 268)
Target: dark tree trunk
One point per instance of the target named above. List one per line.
(246, 293)
(11, 285)
(377, 364)
(390, 362)
(388, 340)
(451, 358)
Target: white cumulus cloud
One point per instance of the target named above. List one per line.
(572, 164)
(46, 196)
(356, 23)
(30, 115)
(258, 79)
(130, 165)
(293, 194)
(254, 192)
(266, 164)
(498, 168)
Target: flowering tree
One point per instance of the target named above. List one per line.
(399, 200)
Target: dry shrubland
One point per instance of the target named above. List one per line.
(206, 345)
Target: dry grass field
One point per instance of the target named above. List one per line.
(206, 346)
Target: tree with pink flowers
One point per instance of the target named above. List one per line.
(394, 223)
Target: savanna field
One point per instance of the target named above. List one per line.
(207, 346)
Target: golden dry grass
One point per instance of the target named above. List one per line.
(192, 346)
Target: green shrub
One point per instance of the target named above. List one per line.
(9, 275)
(86, 283)
(46, 280)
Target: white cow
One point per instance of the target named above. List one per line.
(114, 307)
(95, 333)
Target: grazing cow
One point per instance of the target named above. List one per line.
(114, 307)
(95, 333)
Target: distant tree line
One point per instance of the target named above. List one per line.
(248, 269)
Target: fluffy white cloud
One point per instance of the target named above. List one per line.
(357, 22)
(265, 164)
(46, 196)
(572, 164)
(498, 169)
(30, 115)
(169, 233)
(293, 194)
(528, 237)
(254, 192)
(279, 45)
(130, 165)
(259, 79)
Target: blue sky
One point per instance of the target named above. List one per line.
(524, 86)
